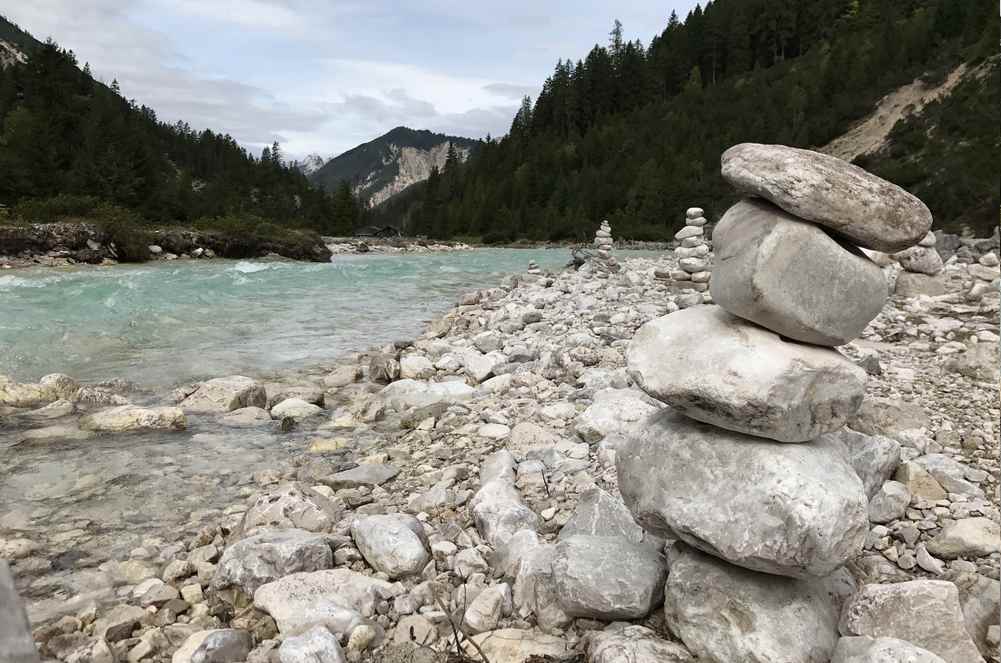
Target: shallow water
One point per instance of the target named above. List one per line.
(89, 501)
(170, 322)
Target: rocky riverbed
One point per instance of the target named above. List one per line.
(464, 482)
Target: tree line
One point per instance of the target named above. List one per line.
(633, 133)
(66, 138)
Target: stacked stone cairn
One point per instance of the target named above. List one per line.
(692, 251)
(605, 262)
(533, 268)
(747, 469)
(985, 277)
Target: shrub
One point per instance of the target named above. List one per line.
(57, 208)
(123, 228)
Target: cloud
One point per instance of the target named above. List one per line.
(511, 90)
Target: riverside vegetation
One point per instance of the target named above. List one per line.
(531, 479)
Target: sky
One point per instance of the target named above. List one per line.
(324, 76)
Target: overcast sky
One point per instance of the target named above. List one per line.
(323, 76)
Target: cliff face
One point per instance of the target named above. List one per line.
(382, 168)
(10, 54)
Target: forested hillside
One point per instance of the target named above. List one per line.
(71, 146)
(633, 133)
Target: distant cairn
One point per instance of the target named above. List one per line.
(604, 262)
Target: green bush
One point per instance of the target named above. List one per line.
(124, 229)
(58, 208)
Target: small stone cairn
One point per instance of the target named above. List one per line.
(693, 252)
(985, 277)
(759, 368)
(533, 268)
(605, 262)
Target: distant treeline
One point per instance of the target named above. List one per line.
(67, 140)
(634, 134)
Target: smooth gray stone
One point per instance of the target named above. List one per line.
(872, 212)
(792, 277)
(270, 555)
(925, 613)
(599, 577)
(722, 370)
(394, 544)
(790, 509)
(317, 645)
(292, 505)
(726, 614)
(16, 643)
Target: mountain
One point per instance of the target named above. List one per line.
(15, 44)
(633, 133)
(310, 164)
(381, 168)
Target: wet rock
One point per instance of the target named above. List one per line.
(247, 417)
(56, 432)
(394, 544)
(607, 578)
(925, 613)
(967, 537)
(296, 408)
(833, 193)
(317, 645)
(225, 395)
(630, 643)
(724, 613)
(335, 598)
(747, 379)
(263, 558)
(790, 509)
(16, 643)
(793, 278)
(864, 649)
(225, 645)
(132, 418)
(293, 506)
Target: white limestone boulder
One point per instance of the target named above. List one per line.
(265, 557)
(719, 369)
(790, 509)
(132, 418)
(831, 192)
(225, 395)
(394, 544)
(792, 277)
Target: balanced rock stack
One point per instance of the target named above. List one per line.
(533, 268)
(693, 251)
(605, 262)
(745, 469)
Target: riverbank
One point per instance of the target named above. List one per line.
(504, 416)
(62, 244)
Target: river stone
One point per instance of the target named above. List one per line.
(607, 578)
(24, 395)
(967, 537)
(980, 599)
(416, 367)
(365, 475)
(889, 503)
(863, 649)
(499, 511)
(225, 645)
(889, 417)
(631, 643)
(950, 473)
(270, 555)
(725, 614)
(118, 623)
(909, 284)
(16, 643)
(296, 408)
(920, 260)
(614, 412)
(792, 277)
(317, 645)
(336, 598)
(599, 513)
(874, 457)
(512, 645)
(247, 417)
(292, 506)
(225, 395)
(128, 418)
(485, 611)
(826, 190)
(394, 544)
(408, 393)
(746, 378)
(925, 613)
(790, 509)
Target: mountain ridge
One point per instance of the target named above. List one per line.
(383, 167)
